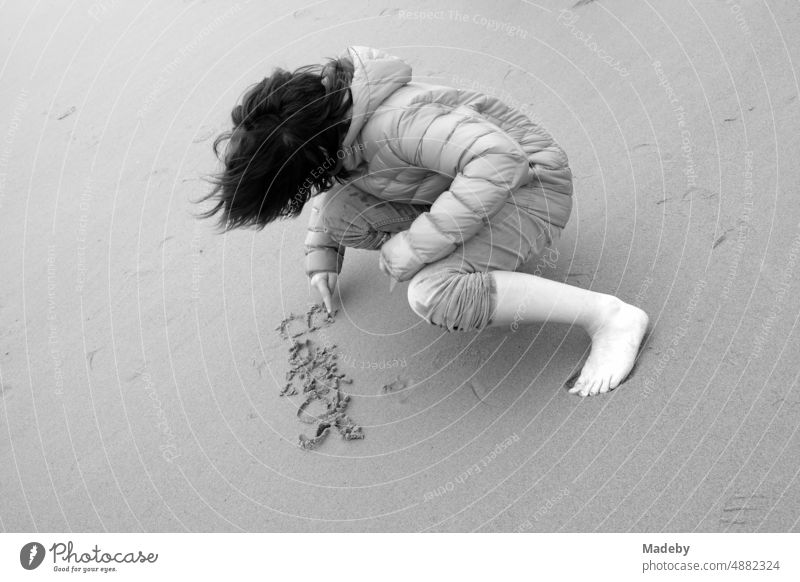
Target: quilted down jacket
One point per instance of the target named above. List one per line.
(461, 153)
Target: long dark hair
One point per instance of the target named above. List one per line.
(284, 144)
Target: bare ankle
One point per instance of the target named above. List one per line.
(606, 309)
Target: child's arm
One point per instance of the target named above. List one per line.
(323, 254)
(486, 165)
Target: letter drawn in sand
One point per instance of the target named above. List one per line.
(315, 373)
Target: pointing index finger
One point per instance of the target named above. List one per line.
(322, 286)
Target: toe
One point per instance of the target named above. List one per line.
(578, 386)
(614, 381)
(596, 387)
(589, 388)
(605, 385)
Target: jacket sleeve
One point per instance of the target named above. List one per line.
(486, 165)
(322, 252)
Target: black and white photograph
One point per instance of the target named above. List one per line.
(364, 267)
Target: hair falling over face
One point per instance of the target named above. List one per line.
(286, 130)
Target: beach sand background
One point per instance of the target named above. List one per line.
(139, 361)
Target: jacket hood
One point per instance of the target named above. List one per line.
(376, 75)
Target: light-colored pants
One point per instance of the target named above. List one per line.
(455, 292)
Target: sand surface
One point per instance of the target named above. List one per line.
(139, 361)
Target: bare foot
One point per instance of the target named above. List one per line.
(615, 343)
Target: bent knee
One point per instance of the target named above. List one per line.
(451, 299)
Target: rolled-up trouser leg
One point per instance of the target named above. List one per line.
(457, 292)
(451, 299)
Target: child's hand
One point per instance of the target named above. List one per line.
(385, 270)
(398, 260)
(325, 283)
(384, 267)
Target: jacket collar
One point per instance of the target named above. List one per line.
(376, 75)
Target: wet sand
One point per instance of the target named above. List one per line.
(140, 367)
